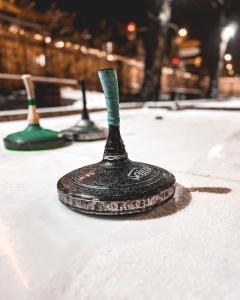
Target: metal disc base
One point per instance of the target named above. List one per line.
(34, 137)
(85, 130)
(98, 207)
(125, 189)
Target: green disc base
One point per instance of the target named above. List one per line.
(34, 137)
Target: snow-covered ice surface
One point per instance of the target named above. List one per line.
(94, 99)
(224, 104)
(185, 249)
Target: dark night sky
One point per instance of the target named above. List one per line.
(195, 15)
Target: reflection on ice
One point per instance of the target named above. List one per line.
(215, 152)
(7, 248)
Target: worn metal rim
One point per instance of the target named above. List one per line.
(120, 207)
(35, 145)
(91, 136)
(80, 135)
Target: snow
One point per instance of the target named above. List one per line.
(94, 99)
(185, 249)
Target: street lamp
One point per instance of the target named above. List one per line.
(180, 34)
(227, 33)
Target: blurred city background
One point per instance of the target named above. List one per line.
(161, 49)
(178, 68)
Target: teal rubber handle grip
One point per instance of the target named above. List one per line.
(108, 78)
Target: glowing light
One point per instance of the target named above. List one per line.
(83, 49)
(59, 44)
(68, 44)
(22, 32)
(38, 37)
(131, 27)
(109, 47)
(197, 61)
(93, 51)
(187, 75)
(230, 72)
(110, 57)
(175, 61)
(109, 44)
(228, 57)
(13, 29)
(182, 32)
(229, 66)
(40, 60)
(48, 39)
(76, 47)
(228, 32)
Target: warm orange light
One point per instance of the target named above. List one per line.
(131, 27)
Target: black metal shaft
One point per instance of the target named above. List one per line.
(85, 115)
(115, 149)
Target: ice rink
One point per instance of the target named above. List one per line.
(185, 249)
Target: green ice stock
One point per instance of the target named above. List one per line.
(33, 132)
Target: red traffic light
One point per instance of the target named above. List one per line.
(175, 61)
(131, 27)
(131, 30)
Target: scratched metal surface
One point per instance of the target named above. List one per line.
(185, 249)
